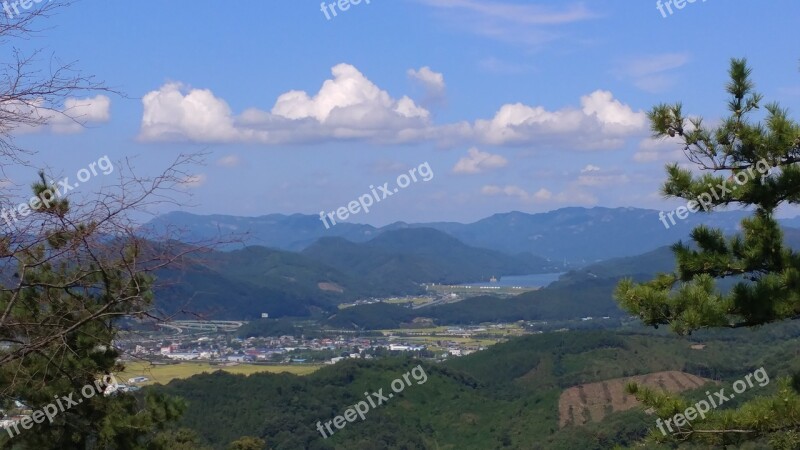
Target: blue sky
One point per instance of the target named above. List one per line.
(303, 114)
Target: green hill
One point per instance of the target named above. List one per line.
(504, 397)
(421, 255)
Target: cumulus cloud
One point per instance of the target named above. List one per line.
(432, 82)
(72, 117)
(477, 161)
(347, 106)
(601, 122)
(174, 113)
(349, 95)
(351, 107)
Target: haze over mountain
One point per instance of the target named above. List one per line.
(579, 235)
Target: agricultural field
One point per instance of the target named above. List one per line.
(415, 300)
(592, 402)
(163, 374)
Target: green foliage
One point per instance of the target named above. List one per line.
(504, 397)
(752, 164)
(64, 287)
(269, 328)
(248, 443)
(407, 257)
(180, 439)
(244, 283)
(562, 301)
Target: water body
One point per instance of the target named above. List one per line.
(528, 281)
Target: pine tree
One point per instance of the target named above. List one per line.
(68, 276)
(751, 164)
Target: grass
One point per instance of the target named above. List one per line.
(163, 374)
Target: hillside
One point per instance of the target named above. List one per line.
(242, 284)
(424, 255)
(504, 397)
(556, 302)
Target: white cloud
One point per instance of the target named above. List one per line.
(602, 122)
(73, 117)
(348, 106)
(432, 82)
(530, 25)
(194, 181)
(174, 113)
(516, 13)
(590, 168)
(348, 89)
(351, 107)
(654, 73)
(543, 195)
(658, 150)
(576, 197)
(596, 179)
(477, 161)
(229, 161)
(570, 196)
(508, 191)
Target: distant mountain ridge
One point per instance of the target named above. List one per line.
(578, 235)
(244, 283)
(417, 255)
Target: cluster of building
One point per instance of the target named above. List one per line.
(221, 348)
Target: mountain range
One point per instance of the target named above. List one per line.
(576, 235)
(244, 283)
(309, 273)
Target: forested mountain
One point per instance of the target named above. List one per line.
(579, 235)
(241, 284)
(422, 255)
(504, 397)
(589, 298)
